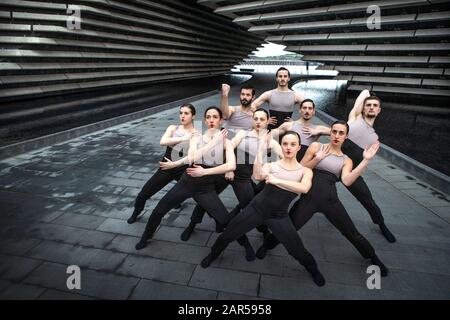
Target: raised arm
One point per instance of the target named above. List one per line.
(265, 97)
(314, 154)
(167, 140)
(237, 138)
(276, 133)
(275, 147)
(302, 186)
(224, 102)
(260, 168)
(348, 176)
(358, 106)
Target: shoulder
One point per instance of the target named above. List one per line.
(307, 171)
(171, 128)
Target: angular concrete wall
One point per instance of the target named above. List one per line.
(119, 43)
(409, 55)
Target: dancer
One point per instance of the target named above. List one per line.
(330, 164)
(308, 132)
(361, 135)
(245, 144)
(238, 117)
(207, 151)
(281, 100)
(176, 138)
(285, 179)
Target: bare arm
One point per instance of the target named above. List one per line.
(276, 133)
(314, 154)
(302, 186)
(224, 103)
(194, 154)
(358, 106)
(299, 98)
(229, 165)
(237, 138)
(167, 140)
(261, 99)
(348, 176)
(260, 169)
(275, 146)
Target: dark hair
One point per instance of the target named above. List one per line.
(308, 100)
(249, 87)
(282, 69)
(372, 98)
(215, 108)
(343, 122)
(263, 110)
(293, 133)
(190, 106)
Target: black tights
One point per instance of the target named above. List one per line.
(159, 180)
(359, 188)
(323, 198)
(281, 227)
(202, 190)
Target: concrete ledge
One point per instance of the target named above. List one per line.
(45, 141)
(433, 177)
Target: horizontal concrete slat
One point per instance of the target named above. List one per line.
(412, 91)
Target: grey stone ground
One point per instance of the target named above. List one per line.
(67, 204)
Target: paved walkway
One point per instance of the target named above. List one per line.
(68, 204)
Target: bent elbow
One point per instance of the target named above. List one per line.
(346, 182)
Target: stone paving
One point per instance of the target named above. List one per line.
(68, 204)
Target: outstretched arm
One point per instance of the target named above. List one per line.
(358, 106)
(348, 176)
(317, 131)
(302, 186)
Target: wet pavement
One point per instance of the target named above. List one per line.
(68, 204)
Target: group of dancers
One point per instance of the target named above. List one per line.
(284, 155)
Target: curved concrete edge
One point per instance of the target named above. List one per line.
(431, 176)
(48, 140)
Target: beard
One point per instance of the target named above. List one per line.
(246, 102)
(370, 116)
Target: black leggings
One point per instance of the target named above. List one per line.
(243, 189)
(323, 198)
(359, 188)
(281, 225)
(202, 190)
(159, 180)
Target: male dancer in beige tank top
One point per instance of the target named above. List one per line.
(281, 100)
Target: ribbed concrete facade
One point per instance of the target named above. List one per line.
(118, 43)
(407, 55)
